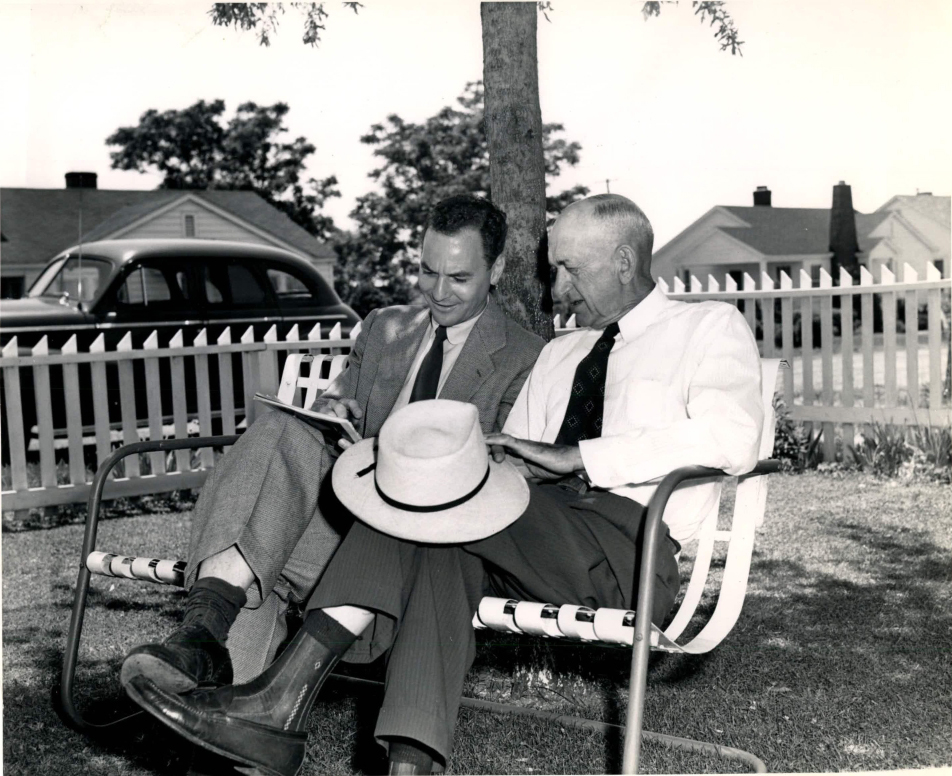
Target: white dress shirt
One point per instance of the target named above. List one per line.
(455, 339)
(682, 388)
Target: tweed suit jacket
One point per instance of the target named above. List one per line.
(489, 372)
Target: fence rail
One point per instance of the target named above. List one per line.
(872, 353)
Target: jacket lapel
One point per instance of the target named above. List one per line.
(475, 364)
(396, 358)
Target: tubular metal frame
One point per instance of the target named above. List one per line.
(64, 703)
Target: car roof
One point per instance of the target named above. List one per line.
(124, 251)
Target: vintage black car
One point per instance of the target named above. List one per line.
(118, 287)
(139, 286)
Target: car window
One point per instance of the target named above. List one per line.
(232, 284)
(151, 285)
(295, 290)
(78, 278)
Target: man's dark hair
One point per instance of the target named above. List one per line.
(465, 211)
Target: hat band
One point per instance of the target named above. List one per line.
(435, 507)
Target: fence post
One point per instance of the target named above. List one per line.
(97, 370)
(16, 438)
(44, 415)
(127, 403)
(868, 335)
(846, 348)
(179, 401)
(889, 338)
(153, 397)
(935, 338)
(909, 275)
(203, 398)
(786, 336)
(226, 384)
(826, 357)
(74, 417)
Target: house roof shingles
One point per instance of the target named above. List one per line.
(794, 231)
(39, 223)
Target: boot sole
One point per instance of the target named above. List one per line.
(263, 770)
(157, 671)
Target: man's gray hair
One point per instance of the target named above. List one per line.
(625, 216)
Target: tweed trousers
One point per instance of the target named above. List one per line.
(565, 548)
(268, 497)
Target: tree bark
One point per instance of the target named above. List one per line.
(516, 163)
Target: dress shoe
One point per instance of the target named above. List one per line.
(239, 728)
(190, 657)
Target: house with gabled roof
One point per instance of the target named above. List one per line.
(731, 241)
(37, 224)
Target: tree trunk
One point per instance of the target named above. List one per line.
(516, 163)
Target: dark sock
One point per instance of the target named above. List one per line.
(329, 631)
(214, 603)
(406, 750)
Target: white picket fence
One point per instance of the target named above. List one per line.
(843, 382)
(859, 376)
(256, 368)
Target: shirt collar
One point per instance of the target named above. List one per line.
(458, 333)
(634, 323)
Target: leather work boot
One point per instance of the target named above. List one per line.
(261, 723)
(190, 657)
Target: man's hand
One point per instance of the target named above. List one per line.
(543, 460)
(348, 409)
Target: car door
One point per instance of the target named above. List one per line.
(237, 295)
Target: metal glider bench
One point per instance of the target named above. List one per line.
(609, 626)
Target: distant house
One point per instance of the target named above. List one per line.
(729, 241)
(36, 224)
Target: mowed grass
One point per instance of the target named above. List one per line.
(842, 659)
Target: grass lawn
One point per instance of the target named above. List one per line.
(842, 659)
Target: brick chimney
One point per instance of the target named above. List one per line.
(81, 180)
(843, 242)
(762, 197)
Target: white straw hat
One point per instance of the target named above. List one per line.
(429, 478)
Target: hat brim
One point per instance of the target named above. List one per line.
(499, 502)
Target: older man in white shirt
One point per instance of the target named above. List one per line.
(649, 385)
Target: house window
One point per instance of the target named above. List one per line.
(189, 226)
(686, 278)
(12, 287)
(815, 275)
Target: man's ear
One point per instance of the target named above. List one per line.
(626, 263)
(499, 266)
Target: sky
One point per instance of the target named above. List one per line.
(826, 90)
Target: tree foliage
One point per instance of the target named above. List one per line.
(422, 163)
(195, 148)
(712, 11)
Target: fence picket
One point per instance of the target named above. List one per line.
(226, 384)
(179, 396)
(203, 398)
(44, 415)
(750, 305)
(153, 398)
(97, 370)
(826, 361)
(846, 348)
(74, 418)
(786, 337)
(13, 422)
(868, 337)
(909, 275)
(889, 338)
(248, 377)
(267, 371)
(934, 302)
(127, 405)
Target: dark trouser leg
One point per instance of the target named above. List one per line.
(556, 552)
(418, 591)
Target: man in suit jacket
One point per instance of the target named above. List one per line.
(265, 525)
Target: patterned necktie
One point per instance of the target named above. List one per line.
(428, 377)
(583, 415)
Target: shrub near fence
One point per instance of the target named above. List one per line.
(218, 369)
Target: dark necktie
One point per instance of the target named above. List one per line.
(583, 415)
(428, 378)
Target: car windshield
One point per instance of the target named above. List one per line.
(79, 279)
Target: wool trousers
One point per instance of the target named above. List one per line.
(565, 548)
(268, 496)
